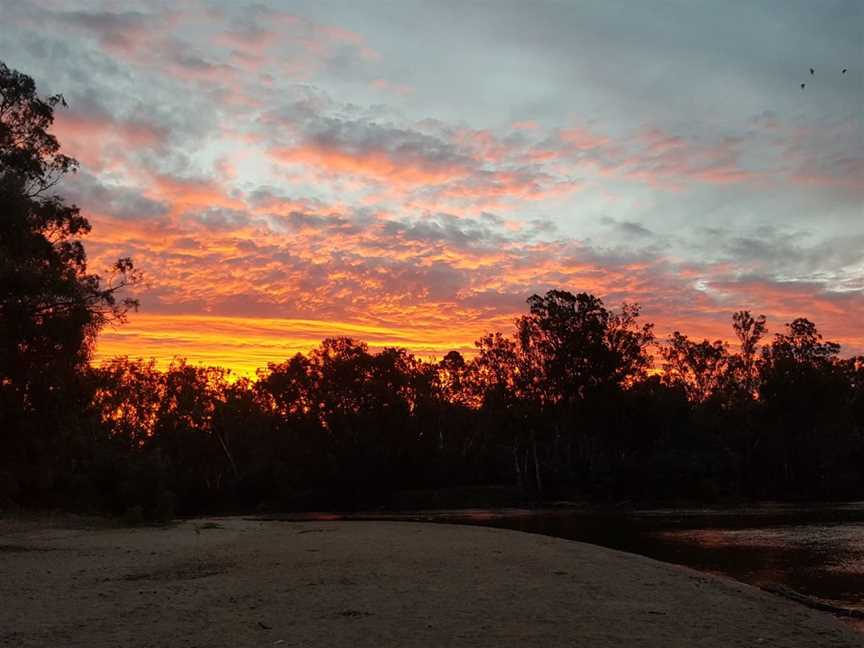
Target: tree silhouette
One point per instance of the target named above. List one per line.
(126, 397)
(803, 392)
(566, 406)
(749, 330)
(576, 345)
(497, 383)
(51, 308)
(576, 356)
(700, 368)
(30, 158)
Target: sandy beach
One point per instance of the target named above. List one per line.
(236, 582)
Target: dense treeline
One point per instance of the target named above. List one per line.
(573, 404)
(564, 408)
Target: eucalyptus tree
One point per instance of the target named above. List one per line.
(51, 306)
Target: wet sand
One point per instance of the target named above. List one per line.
(235, 582)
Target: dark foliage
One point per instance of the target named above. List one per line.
(51, 308)
(343, 427)
(568, 406)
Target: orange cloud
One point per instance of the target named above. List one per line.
(99, 140)
(184, 194)
(407, 171)
(249, 295)
(582, 138)
(267, 214)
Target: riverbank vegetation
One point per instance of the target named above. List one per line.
(582, 400)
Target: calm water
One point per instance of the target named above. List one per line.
(816, 551)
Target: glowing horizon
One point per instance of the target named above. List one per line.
(246, 345)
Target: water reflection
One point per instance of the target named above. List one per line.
(822, 561)
(816, 552)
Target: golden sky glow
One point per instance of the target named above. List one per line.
(247, 344)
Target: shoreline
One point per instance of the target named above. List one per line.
(236, 582)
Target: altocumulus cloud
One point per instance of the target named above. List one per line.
(286, 173)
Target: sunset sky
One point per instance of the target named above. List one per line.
(409, 172)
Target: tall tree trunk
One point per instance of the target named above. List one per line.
(518, 466)
(537, 477)
(230, 457)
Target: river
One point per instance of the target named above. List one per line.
(815, 551)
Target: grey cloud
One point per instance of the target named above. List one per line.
(218, 218)
(628, 228)
(126, 203)
(107, 23)
(359, 137)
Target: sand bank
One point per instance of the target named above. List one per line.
(253, 583)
